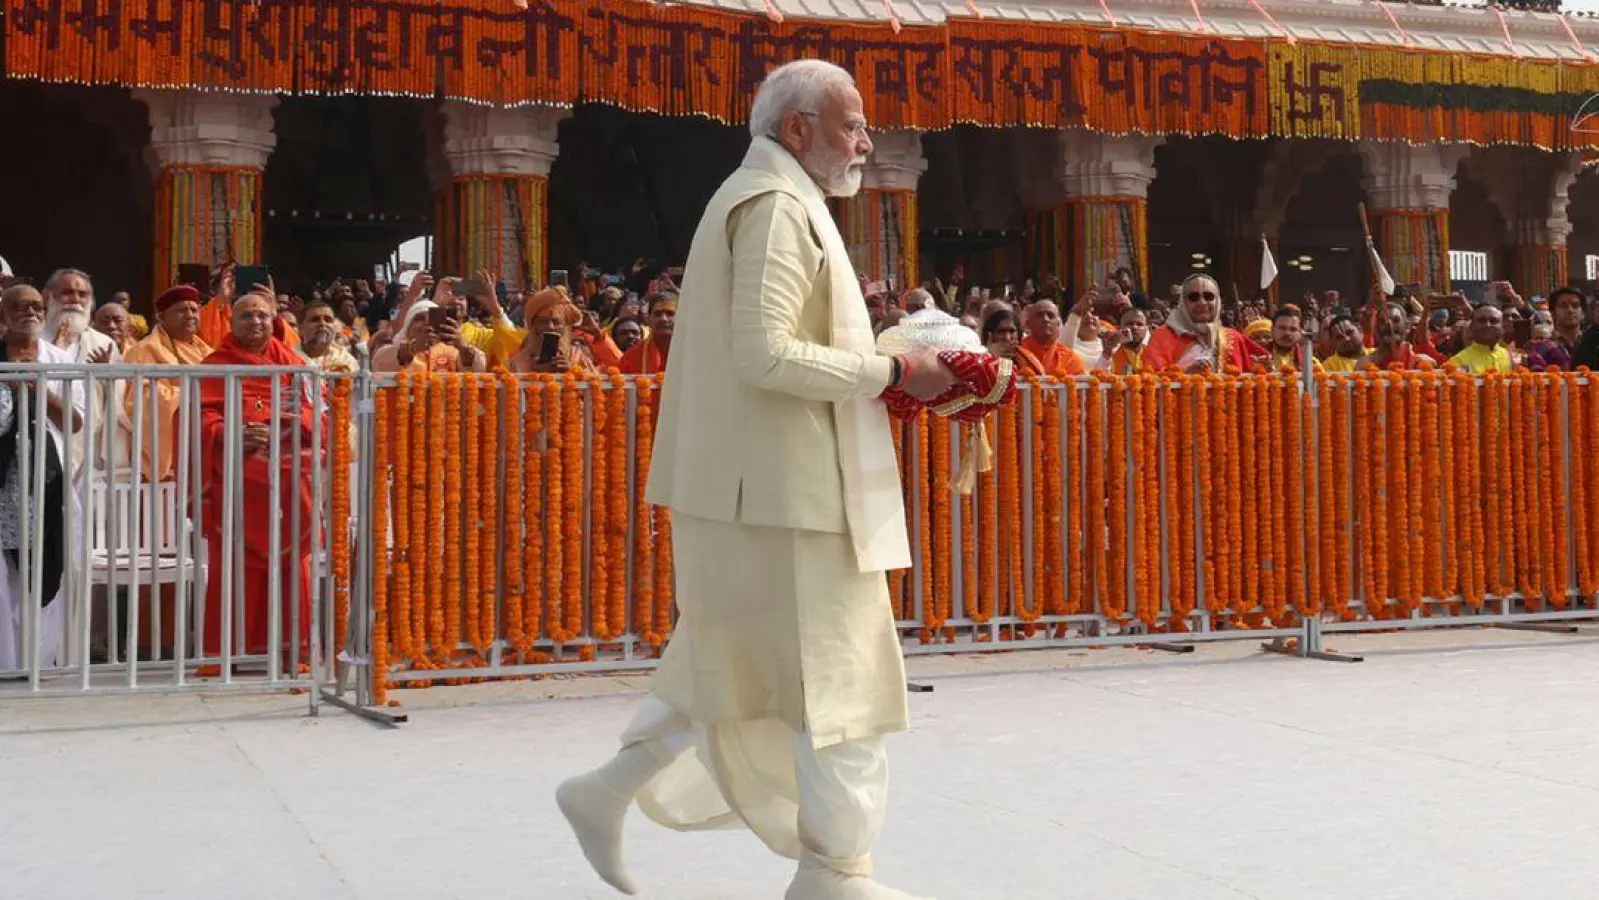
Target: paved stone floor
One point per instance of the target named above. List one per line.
(1448, 765)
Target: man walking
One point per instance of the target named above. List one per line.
(777, 461)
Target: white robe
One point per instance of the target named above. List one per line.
(778, 463)
(14, 598)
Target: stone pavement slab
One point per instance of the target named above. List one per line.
(1448, 765)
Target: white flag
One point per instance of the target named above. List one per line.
(1268, 266)
(1384, 280)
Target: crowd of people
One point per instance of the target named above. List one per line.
(600, 322)
(1119, 329)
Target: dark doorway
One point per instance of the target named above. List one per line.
(75, 189)
(346, 184)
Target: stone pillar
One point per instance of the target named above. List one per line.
(1408, 189)
(494, 213)
(880, 225)
(1539, 262)
(1104, 222)
(207, 153)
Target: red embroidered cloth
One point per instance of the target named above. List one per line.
(986, 383)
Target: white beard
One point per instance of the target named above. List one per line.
(74, 321)
(837, 174)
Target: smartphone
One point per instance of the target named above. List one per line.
(558, 278)
(876, 287)
(501, 291)
(247, 277)
(549, 345)
(1521, 332)
(438, 315)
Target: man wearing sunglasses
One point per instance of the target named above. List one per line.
(1193, 338)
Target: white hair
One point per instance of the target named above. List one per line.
(798, 86)
(918, 299)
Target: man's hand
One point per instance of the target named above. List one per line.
(449, 332)
(256, 438)
(103, 355)
(590, 325)
(229, 282)
(1086, 303)
(491, 303)
(558, 364)
(928, 377)
(419, 286)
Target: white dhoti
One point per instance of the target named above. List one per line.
(785, 671)
(13, 607)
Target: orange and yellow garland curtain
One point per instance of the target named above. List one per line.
(1227, 502)
(682, 59)
(207, 215)
(1539, 269)
(1415, 246)
(494, 222)
(881, 230)
(1102, 235)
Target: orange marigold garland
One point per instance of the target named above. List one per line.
(643, 528)
(943, 550)
(1327, 561)
(1529, 501)
(1077, 600)
(422, 525)
(1469, 500)
(1452, 529)
(1050, 440)
(516, 453)
(383, 551)
(1026, 461)
(1255, 542)
(1098, 563)
(573, 449)
(970, 573)
(437, 602)
(461, 498)
(533, 507)
(1381, 505)
(475, 459)
(1294, 445)
(1150, 550)
(1209, 520)
(1342, 567)
(339, 529)
(1175, 537)
(1180, 443)
(1428, 504)
(621, 452)
(1496, 511)
(556, 399)
(1558, 537)
(489, 415)
(1006, 497)
(1580, 387)
(601, 498)
(1420, 558)
(1228, 574)
(1365, 499)
(1270, 432)
(400, 629)
(924, 522)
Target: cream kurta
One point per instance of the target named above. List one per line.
(785, 625)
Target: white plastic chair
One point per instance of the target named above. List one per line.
(141, 539)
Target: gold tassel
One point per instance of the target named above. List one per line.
(979, 457)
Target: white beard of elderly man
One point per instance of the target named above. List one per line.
(776, 459)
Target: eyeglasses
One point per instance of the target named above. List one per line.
(856, 130)
(1207, 296)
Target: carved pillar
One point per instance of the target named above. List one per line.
(1409, 187)
(207, 153)
(880, 224)
(1103, 224)
(1539, 262)
(494, 213)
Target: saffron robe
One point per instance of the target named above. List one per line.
(1167, 348)
(259, 507)
(1057, 359)
(643, 358)
(160, 419)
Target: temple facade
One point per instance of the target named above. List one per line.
(1071, 137)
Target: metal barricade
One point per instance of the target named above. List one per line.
(509, 535)
(196, 535)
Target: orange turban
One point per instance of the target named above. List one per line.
(1257, 328)
(552, 303)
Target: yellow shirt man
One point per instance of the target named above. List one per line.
(1479, 358)
(1340, 363)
